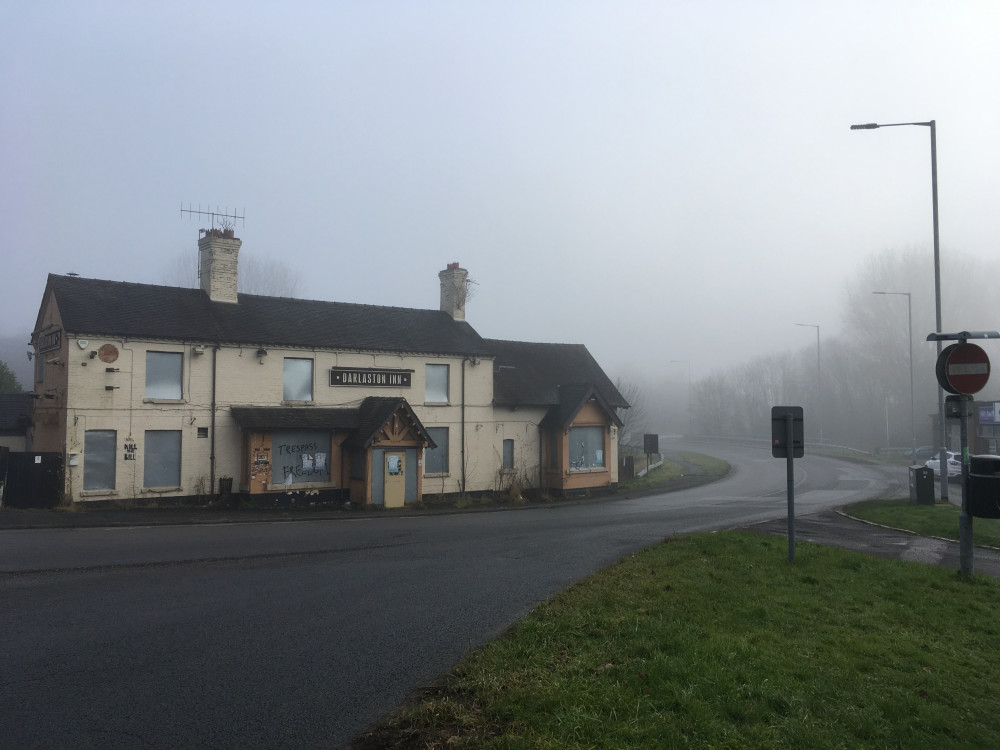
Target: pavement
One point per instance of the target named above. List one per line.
(837, 529)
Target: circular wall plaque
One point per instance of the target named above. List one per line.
(108, 353)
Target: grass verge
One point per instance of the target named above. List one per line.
(714, 640)
(940, 519)
(670, 471)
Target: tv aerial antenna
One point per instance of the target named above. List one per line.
(224, 219)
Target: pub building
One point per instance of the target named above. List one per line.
(158, 393)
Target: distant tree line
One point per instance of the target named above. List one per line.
(863, 399)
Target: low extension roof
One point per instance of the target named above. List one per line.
(364, 422)
(92, 307)
(532, 374)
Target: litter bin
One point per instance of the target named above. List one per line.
(983, 492)
(921, 485)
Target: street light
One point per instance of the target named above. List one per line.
(942, 426)
(819, 381)
(909, 324)
(688, 363)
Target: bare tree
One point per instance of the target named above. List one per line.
(266, 277)
(635, 418)
(865, 397)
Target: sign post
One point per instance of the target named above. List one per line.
(962, 369)
(787, 441)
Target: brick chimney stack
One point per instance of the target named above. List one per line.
(218, 252)
(454, 290)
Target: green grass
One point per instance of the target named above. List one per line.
(711, 466)
(714, 640)
(940, 520)
(671, 470)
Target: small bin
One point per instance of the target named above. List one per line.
(983, 492)
(921, 485)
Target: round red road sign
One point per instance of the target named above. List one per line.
(963, 368)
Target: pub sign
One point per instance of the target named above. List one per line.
(370, 377)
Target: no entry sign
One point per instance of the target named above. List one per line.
(963, 368)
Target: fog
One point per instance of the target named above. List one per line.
(673, 184)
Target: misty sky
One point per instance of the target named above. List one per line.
(657, 180)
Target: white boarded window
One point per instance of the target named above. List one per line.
(586, 447)
(162, 463)
(437, 384)
(508, 454)
(99, 452)
(298, 379)
(436, 459)
(163, 375)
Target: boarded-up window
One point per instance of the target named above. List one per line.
(586, 447)
(162, 462)
(298, 379)
(303, 455)
(163, 374)
(508, 454)
(437, 384)
(436, 459)
(99, 455)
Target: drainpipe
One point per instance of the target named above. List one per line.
(464, 360)
(211, 458)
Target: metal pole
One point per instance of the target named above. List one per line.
(965, 552)
(819, 381)
(909, 339)
(943, 425)
(913, 421)
(790, 470)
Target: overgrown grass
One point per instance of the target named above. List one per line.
(670, 471)
(940, 519)
(710, 465)
(714, 640)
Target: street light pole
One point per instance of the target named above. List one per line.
(688, 363)
(942, 425)
(909, 326)
(819, 381)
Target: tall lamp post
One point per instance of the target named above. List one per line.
(942, 425)
(688, 363)
(909, 325)
(819, 381)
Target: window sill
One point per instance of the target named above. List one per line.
(592, 470)
(164, 401)
(298, 403)
(98, 493)
(437, 403)
(160, 490)
(438, 474)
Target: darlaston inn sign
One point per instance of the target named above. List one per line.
(377, 378)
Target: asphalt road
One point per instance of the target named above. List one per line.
(302, 634)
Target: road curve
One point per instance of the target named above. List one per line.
(302, 634)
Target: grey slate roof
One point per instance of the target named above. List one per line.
(571, 400)
(92, 307)
(364, 421)
(529, 373)
(15, 413)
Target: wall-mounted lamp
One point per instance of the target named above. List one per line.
(93, 354)
(261, 353)
(197, 350)
(111, 387)
(54, 361)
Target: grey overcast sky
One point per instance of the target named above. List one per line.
(657, 180)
